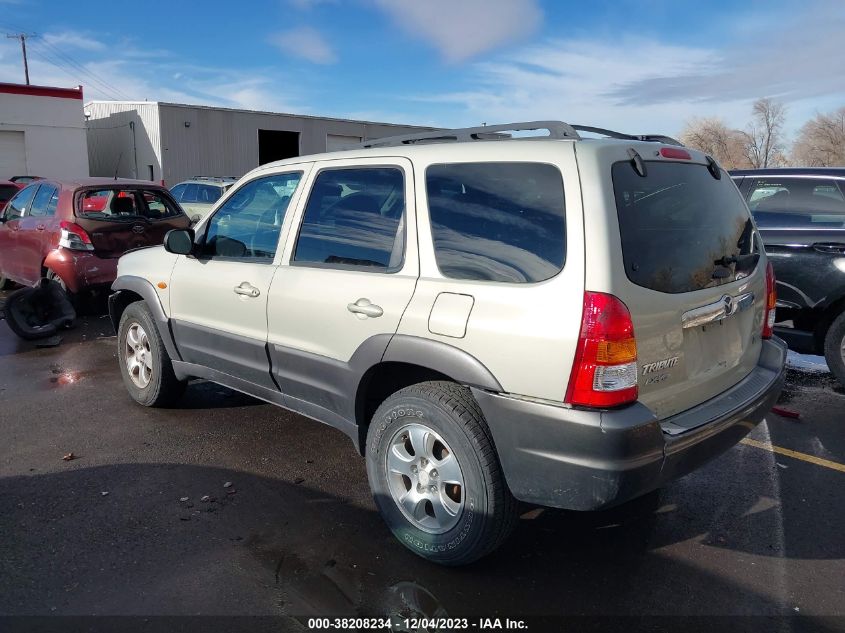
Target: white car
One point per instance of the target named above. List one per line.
(198, 195)
(561, 321)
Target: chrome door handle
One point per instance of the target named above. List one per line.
(247, 289)
(363, 308)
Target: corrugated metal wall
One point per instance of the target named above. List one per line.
(113, 144)
(221, 142)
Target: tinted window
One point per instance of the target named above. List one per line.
(797, 203)
(355, 217)
(177, 191)
(678, 223)
(18, 205)
(208, 193)
(45, 201)
(190, 193)
(497, 221)
(6, 192)
(249, 223)
(125, 204)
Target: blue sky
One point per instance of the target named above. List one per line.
(637, 66)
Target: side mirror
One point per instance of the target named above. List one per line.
(179, 241)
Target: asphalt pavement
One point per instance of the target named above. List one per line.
(122, 528)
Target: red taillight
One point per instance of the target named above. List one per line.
(674, 152)
(604, 373)
(771, 301)
(75, 237)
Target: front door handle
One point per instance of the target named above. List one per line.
(830, 247)
(363, 309)
(247, 289)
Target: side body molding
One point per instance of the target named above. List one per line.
(142, 287)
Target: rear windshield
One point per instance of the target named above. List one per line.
(682, 230)
(125, 204)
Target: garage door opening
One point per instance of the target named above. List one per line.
(277, 145)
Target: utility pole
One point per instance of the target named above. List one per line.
(22, 37)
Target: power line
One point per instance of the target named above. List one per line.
(22, 37)
(75, 64)
(70, 72)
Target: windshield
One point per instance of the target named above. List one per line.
(681, 229)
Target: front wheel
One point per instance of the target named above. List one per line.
(144, 362)
(834, 348)
(435, 474)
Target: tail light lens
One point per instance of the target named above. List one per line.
(604, 373)
(75, 237)
(771, 300)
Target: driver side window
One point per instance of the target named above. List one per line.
(248, 225)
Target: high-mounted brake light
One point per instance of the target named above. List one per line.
(675, 152)
(604, 373)
(75, 237)
(771, 301)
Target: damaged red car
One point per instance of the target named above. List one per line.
(74, 231)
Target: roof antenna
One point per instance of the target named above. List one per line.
(117, 167)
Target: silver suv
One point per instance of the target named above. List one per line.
(561, 321)
(198, 195)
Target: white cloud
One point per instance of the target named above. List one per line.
(460, 29)
(306, 43)
(71, 39)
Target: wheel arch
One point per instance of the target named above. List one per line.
(828, 316)
(129, 289)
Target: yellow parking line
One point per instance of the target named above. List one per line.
(818, 461)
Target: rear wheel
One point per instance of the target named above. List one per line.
(834, 348)
(144, 362)
(435, 474)
(4, 282)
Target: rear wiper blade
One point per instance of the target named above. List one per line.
(726, 260)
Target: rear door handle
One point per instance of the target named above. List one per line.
(247, 289)
(830, 247)
(363, 308)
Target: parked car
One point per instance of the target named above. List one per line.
(25, 180)
(800, 214)
(488, 319)
(50, 229)
(8, 188)
(199, 194)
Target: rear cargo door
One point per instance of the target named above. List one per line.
(118, 220)
(694, 279)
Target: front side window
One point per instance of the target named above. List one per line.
(248, 225)
(19, 205)
(497, 221)
(355, 217)
(797, 203)
(44, 202)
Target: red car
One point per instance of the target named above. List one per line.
(75, 231)
(8, 189)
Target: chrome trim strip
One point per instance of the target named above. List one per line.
(717, 311)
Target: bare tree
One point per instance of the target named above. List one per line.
(821, 141)
(764, 135)
(713, 136)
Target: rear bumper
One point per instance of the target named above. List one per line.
(588, 460)
(81, 270)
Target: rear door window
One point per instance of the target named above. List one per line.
(796, 203)
(355, 217)
(497, 221)
(681, 229)
(44, 202)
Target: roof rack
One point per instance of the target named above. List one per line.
(213, 178)
(654, 138)
(556, 130)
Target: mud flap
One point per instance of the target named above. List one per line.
(39, 312)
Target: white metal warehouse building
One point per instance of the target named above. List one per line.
(171, 142)
(42, 132)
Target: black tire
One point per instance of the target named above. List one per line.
(489, 511)
(162, 387)
(834, 348)
(4, 282)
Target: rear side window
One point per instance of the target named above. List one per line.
(497, 221)
(787, 203)
(681, 229)
(355, 217)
